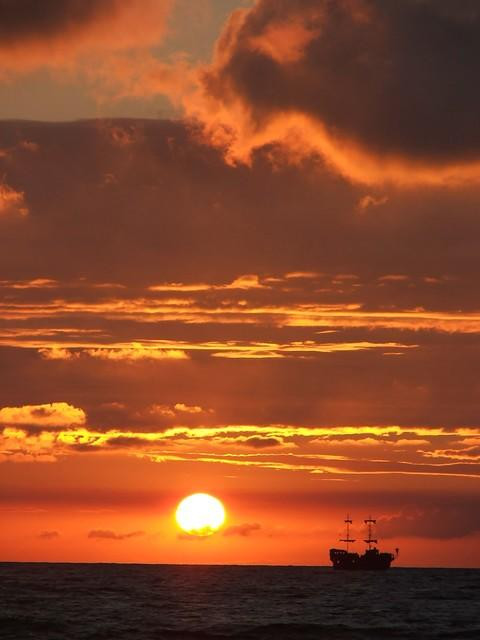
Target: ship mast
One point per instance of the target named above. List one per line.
(348, 522)
(369, 521)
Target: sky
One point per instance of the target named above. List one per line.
(240, 255)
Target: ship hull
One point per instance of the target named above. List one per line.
(371, 560)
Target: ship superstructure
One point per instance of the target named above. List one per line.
(372, 558)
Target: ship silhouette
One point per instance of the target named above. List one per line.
(371, 559)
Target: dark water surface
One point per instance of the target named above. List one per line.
(140, 602)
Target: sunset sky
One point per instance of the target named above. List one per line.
(240, 254)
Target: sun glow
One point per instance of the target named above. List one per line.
(200, 514)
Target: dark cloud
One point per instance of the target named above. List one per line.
(61, 33)
(395, 79)
(124, 442)
(106, 534)
(244, 530)
(22, 19)
(443, 522)
(48, 535)
(257, 442)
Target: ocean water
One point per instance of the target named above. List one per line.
(140, 602)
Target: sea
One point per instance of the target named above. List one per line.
(171, 602)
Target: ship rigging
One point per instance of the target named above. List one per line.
(371, 559)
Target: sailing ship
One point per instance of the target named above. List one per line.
(372, 558)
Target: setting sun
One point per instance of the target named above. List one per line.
(200, 514)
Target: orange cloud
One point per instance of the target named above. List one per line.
(55, 414)
(17, 445)
(56, 353)
(231, 349)
(371, 201)
(303, 275)
(465, 454)
(12, 202)
(284, 42)
(288, 301)
(243, 282)
(312, 450)
(178, 411)
(271, 350)
(227, 307)
(370, 442)
(185, 408)
(255, 436)
(136, 352)
(36, 283)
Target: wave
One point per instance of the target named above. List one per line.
(25, 628)
(310, 632)
(84, 602)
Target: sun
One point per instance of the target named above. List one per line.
(200, 514)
